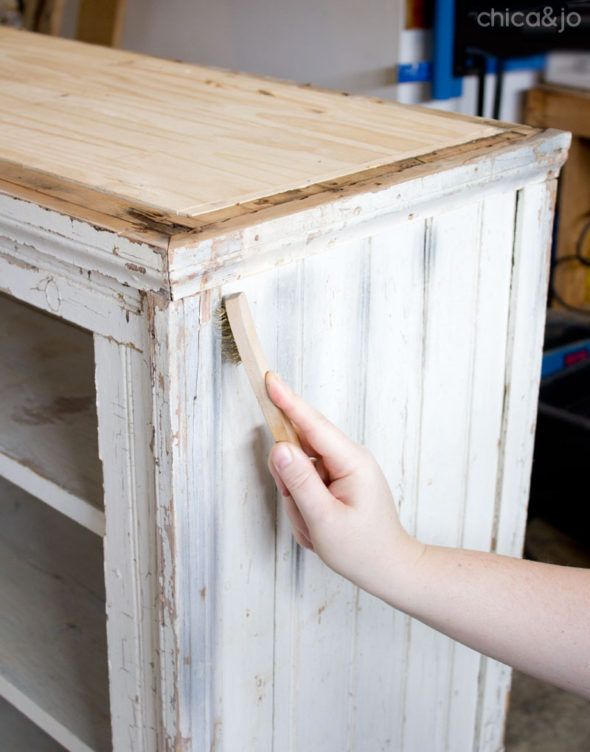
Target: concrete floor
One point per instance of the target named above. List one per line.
(543, 718)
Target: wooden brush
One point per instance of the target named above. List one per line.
(240, 343)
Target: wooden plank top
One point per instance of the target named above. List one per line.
(187, 140)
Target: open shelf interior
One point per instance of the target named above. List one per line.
(19, 734)
(53, 658)
(48, 423)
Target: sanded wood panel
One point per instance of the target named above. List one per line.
(189, 139)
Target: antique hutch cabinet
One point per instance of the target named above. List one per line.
(396, 262)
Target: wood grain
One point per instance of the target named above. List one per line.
(190, 139)
(254, 360)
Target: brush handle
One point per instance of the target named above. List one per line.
(256, 365)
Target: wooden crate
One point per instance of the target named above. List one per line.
(568, 108)
(396, 262)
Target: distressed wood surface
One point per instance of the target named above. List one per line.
(152, 250)
(190, 507)
(395, 293)
(143, 223)
(524, 349)
(48, 440)
(125, 436)
(189, 139)
(53, 659)
(399, 337)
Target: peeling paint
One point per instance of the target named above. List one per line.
(136, 268)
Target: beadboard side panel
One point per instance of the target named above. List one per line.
(404, 339)
(524, 351)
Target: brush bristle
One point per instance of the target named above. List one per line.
(229, 349)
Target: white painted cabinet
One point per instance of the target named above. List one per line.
(396, 263)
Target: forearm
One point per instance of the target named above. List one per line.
(535, 617)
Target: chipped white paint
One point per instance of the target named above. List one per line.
(78, 244)
(124, 406)
(403, 335)
(89, 299)
(405, 309)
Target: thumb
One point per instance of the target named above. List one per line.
(302, 481)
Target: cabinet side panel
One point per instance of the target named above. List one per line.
(246, 560)
(124, 424)
(392, 398)
(334, 321)
(288, 555)
(523, 361)
(311, 318)
(533, 225)
(451, 261)
(484, 428)
(401, 339)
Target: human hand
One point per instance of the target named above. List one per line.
(340, 506)
(338, 503)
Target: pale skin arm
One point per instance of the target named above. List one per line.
(532, 616)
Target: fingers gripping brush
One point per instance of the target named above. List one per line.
(240, 343)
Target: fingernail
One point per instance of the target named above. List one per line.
(282, 456)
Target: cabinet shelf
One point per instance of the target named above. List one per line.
(53, 658)
(48, 425)
(20, 735)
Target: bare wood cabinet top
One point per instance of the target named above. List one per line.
(396, 261)
(178, 159)
(188, 140)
